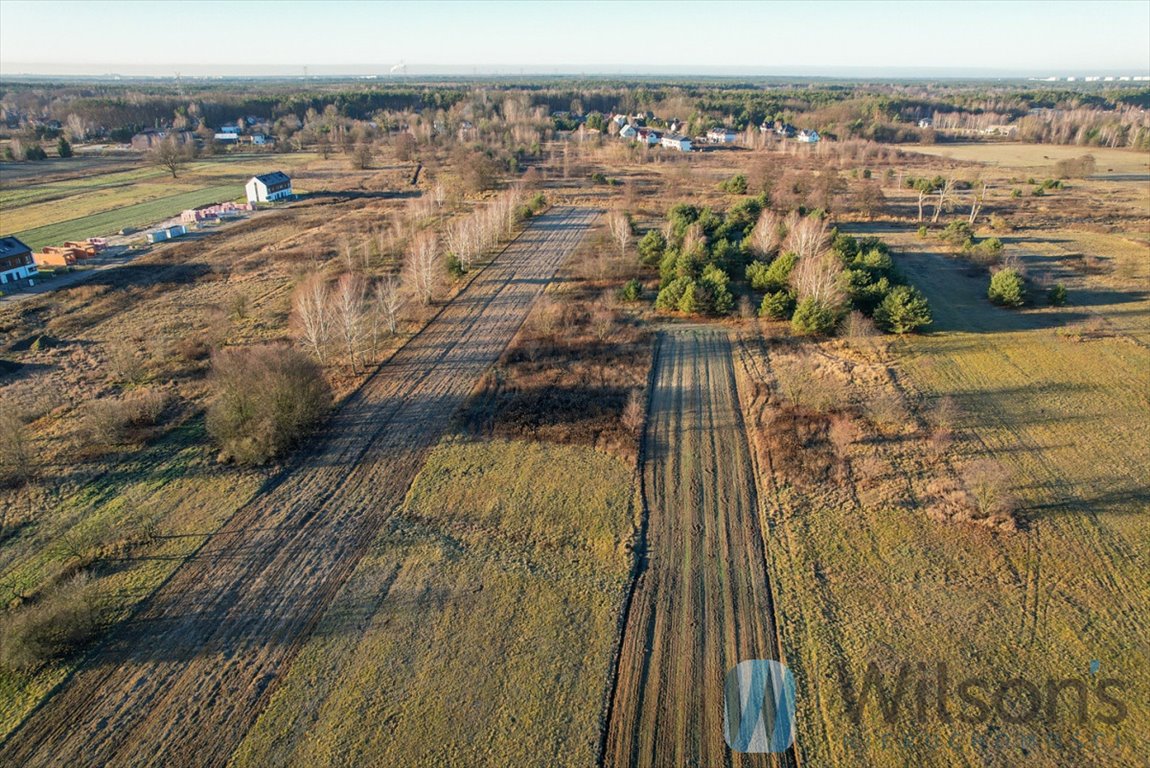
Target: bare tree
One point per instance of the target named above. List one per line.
(389, 301)
(312, 310)
(170, 156)
(349, 300)
(423, 266)
(807, 237)
(817, 277)
(363, 155)
(945, 199)
(620, 227)
(765, 237)
(634, 411)
(976, 203)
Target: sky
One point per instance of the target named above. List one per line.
(832, 38)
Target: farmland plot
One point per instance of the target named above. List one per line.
(702, 604)
(182, 681)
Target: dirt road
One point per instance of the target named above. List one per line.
(181, 682)
(701, 603)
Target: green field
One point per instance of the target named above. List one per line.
(478, 629)
(169, 496)
(95, 203)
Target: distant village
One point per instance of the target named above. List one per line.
(645, 129)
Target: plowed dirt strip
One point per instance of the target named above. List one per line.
(702, 603)
(182, 682)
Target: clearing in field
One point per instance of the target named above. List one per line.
(702, 604)
(479, 628)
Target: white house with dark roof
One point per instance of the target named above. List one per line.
(721, 136)
(268, 188)
(681, 143)
(16, 261)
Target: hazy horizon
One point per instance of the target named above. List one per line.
(791, 39)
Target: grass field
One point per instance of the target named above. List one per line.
(1039, 156)
(864, 575)
(478, 629)
(95, 203)
(172, 489)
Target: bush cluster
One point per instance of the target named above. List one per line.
(266, 399)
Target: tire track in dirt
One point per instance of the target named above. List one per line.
(703, 603)
(182, 681)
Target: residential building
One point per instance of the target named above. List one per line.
(926, 122)
(681, 143)
(268, 188)
(16, 262)
(649, 137)
(628, 132)
(721, 136)
(808, 137)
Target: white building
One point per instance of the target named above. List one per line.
(268, 188)
(721, 136)
(681, 143)
(808, 137)
(628, 132)
(15, 261)
(926, 122)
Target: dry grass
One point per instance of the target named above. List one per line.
(479, 627)
(996, 415)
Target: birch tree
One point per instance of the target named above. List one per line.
(765, 236)
(620, 227)
(349, 301)
(311, 308)
(423, 266)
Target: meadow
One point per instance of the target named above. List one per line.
(96, 201)
(478, 629)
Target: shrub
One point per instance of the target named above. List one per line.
(631, 290)
(266, 398)
(923, 232)
(115, 421)
(651, 248)
(903, 310)
(15, 447)
(958, 234)
(736, 185)
(60, 621)
(814, 318)
(1007, 288)
(779, 305)
(1056, 295)
(454, 266)
(986, 252)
